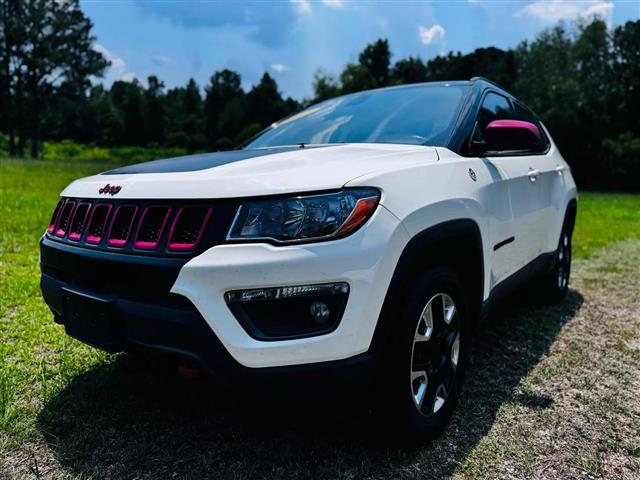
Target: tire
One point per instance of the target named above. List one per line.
(426, 362)
(553, 286)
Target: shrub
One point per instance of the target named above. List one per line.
(196, 142)
(622, 157)
(67, 150)
(4, 143)
(223, 144)
(143, 154)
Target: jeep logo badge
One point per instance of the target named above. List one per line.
(110, 189)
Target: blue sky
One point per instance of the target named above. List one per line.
(291, 39)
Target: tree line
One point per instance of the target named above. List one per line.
(583, 80)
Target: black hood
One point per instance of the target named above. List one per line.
(202, 161)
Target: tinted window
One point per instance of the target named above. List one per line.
(494, 107)
(420, 115)
(526, 115)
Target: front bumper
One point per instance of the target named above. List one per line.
(178, 306)
(365, 260)
(179, 330)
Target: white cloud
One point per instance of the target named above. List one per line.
(429, 35)
(333, 3)
(302, 7)
(279, 67)
(118, 68)
(117, 64)
(602, 10)
(552, 11)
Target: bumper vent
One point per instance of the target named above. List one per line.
(144, 227)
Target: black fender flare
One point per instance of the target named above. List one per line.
(420, 253)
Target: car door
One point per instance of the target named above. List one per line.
(518, 242)
(550, 180)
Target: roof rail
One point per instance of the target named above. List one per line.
(474, 79)
(502, 89)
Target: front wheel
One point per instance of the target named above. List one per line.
(428, 359)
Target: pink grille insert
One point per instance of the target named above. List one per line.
(151, 227)
(121, 225)
(79, 221)
(54, 217)
(188, 227)
(65, 218)
(98, 223)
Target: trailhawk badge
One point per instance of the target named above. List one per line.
(110, 189)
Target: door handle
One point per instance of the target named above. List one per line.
(533, 174)
(560, 169)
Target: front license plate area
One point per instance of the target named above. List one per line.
(89, 319)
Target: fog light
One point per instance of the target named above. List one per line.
(257, 294)
(287, 312)
(319, 312)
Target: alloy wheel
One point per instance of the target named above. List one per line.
(564, 261)
(435, 354)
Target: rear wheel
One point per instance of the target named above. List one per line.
(428, 359)
(554, 285)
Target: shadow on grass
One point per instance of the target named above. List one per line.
(118, 420)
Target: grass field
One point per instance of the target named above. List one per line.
(551, 392)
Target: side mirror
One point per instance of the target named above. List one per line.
(505, 135)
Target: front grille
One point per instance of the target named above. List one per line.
(54, 217)
(121, 225)
(65, 218)
(144, 227)
(98, 223)
(152, 224)
(78, 221)
(188, 227)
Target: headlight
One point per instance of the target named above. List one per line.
(304, 218)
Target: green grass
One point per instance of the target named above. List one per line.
(604, 218)
(67, 410)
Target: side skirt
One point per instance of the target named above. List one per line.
(540, 265)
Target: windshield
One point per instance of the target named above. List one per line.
(417, 115)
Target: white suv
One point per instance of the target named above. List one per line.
(363, 238)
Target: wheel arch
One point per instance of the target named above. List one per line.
(570, 214)
(455, 244)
